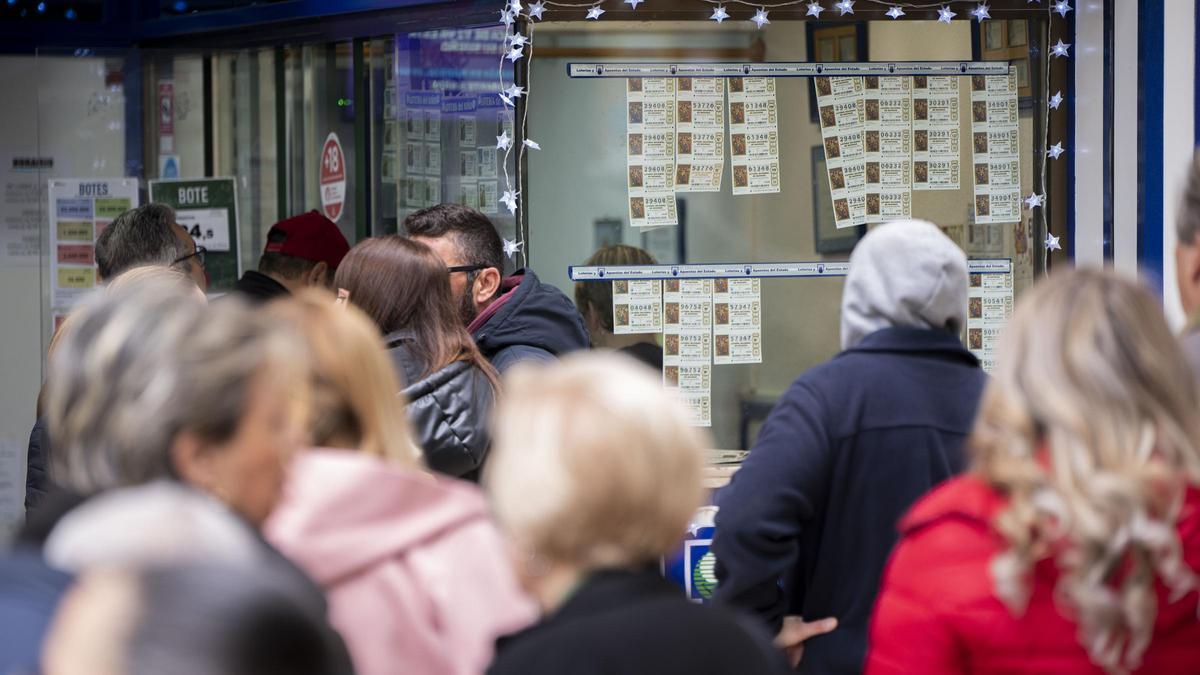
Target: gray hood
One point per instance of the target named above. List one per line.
(905, 273)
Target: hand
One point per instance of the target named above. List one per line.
(796, 630)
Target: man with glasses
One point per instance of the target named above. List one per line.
(512, 319)
(149, 235)
(301, 251)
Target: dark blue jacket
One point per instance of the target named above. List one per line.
(808, 522)
(536, 321)
(30, 591)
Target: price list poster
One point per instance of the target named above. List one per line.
(995, 138)
(650, 151)
(753, 135)
(687, 345)
(989, 305)
(936, 142)
(699, 134)
(737, 321)
(842, 108)
(888, 139)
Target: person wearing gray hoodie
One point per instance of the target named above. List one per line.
(805, 527)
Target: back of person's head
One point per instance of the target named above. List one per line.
(402, 285)
(1187, 223)
(905, 273)
(141, 372)
(474, 235)
(594, 299)
(140, 236)
(298, 246)
(593, 463)
(191, 620)
(356, 402)
(1089, 427)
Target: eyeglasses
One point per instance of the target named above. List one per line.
(198, 254)
(466, 268)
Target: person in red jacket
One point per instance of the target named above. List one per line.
(1074, 543)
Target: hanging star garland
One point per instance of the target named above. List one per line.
(512, 247)
(634, 3)
(845, 7)
(537, 9)
(1062, 7)
(981, 12)
(514, 92)
(895, 12)
(1061, 48)
(595, 12)
(506, 18)
(509, 199)
(1034, 200)
(515, 53)
(719, 14)
(760, 18)
(815, 9)
(503, 142)
(1056, 100)
(1055, 151)
(945, 14)
(1052, 243)
(532, 145)
(517, 40)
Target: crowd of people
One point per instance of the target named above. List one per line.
(397, 458)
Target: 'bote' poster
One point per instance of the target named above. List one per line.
(687, 344)
(699, 134)
(753, 135)
(79, 211)
(737, 321)
(888, 108)
(989, 305)
(637, 306)
(935, 133)
(843, 125)
(995, 139)
(650, 151)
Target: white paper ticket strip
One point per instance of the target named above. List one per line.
(843, 131)
(753, 135)
(936, 142)
(995, 137)
(737, 321)
(687, 344)
(699, 134)
(989, 305)
(650, 151)
(888, 106)
(637, 306)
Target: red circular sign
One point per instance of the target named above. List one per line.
(333, 178)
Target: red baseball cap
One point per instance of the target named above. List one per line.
(310, 236)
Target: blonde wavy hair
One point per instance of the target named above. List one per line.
(356, 393)
(1090, 428)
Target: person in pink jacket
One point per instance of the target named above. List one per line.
(417, 576)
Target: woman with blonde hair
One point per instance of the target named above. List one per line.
(1073, 545)
(412, 564)
(594, 477)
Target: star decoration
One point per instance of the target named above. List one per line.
(719, 14)
(1061, 48)
(634, 3)
(509, 199)
(1055, 150)
(1034, 200)
(945, 14)
(1052, 243)
(895, 12)
(503, 142)
(515, 53)
(815, 9)
(537, 9)
(517, 40)
(845, 7)
(514, 91)
(507, 100)
(594, 12)
(506, 18)
(1062, 7)
(515, 7)
(512, 248)
(981, 12)
(1056, 100)
(760, 18)
(532, 145)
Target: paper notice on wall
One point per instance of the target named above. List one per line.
(637, 306)
(888, 140)
(936, 140)
(650, 151)
(989, 305)
(687, 344)
(841, 104)
(79, 211)
(995, 139)
(699, 134)
(22, 217)
(753, 135)
(737, 321)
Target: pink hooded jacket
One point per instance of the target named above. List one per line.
(416, 574)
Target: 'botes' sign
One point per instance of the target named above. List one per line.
(333, 178)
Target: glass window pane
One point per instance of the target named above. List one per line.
(848, 48)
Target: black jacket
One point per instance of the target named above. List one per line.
(256, 287)
(37, 480)
(448, 409)
(532, 321)
(846, 451)
(627, 623)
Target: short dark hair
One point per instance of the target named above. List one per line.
(1187, 222)
(475, 236)
(286, 266)
(141, 236)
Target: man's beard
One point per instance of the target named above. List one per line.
(467, 311)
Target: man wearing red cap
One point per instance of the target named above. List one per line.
(301, 251)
